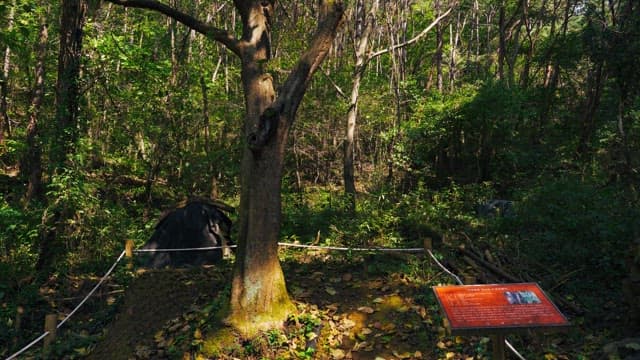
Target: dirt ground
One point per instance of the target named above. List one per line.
(364, 308)
(349, 307)
(154, 298)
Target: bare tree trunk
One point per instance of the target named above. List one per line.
(595, 84)
(363, 57)
(398, 35)
(502, 41)
(476, 12)
(67, 88)
(31, 163)
(365, 21)
(454, 40)
(5, 121)
(439, 47)
(552, 76)
(67, 94)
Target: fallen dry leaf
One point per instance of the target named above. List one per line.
(337, 354)
(366, 309)
(404, 355)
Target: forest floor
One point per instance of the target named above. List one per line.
(355, 307)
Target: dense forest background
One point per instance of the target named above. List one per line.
(108, 116)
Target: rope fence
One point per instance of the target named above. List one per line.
(142, 251)
(129, 250)
(375, 249)
(48, 332)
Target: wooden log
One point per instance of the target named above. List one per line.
(490, 266)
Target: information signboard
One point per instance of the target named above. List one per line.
(498, 308)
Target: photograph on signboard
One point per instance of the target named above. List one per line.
(521, 297)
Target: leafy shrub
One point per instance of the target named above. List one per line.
(574, 226)
(18, 236)
(474, 134)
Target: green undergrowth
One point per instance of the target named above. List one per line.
(569, 233)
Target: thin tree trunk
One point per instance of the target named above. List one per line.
(31, 163)
(362, 60)
(67, 87)
(502, 42)
(595, 86)
(365, 21)
(454, 41)
(439, 47)
(552, 77)
(5, 121)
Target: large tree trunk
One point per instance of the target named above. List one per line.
(67, 95)
(67, 89)
(259, 298)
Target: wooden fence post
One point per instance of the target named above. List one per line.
(19, 313)
(50, 323)
(428, 245)
(128, 251)
(469, 279)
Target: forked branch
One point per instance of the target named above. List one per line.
(296, 84)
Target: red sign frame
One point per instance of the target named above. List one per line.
(497, 308)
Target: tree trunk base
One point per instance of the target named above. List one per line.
(259, 301)
(250, 324)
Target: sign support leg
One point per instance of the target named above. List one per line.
(498, 347)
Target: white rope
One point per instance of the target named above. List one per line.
(231, 246)
(350, 249)
(92, 290)
(28, 346)
(72, 312)
(445, 269)
(138, 251)
(515, 352)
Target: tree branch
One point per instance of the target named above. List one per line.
(214, 33)
(412, 40)
(335, 86)
(294, 87)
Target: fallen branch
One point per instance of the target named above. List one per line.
(488, 265)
